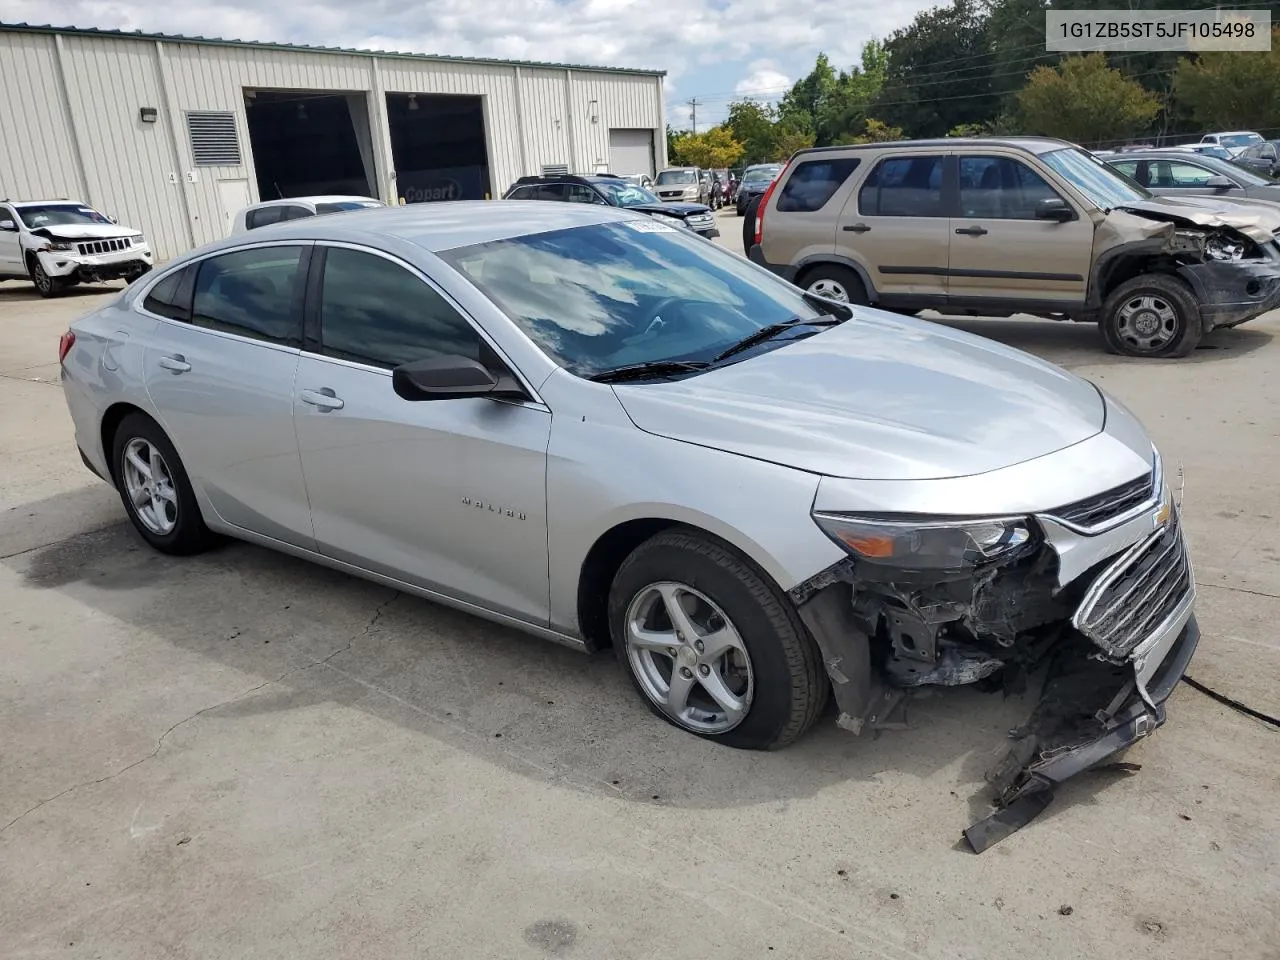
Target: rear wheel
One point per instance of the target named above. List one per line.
(834, 282)
(712, 645)
(155, 488)
(1151, 315)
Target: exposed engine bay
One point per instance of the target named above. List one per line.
(1090, 643)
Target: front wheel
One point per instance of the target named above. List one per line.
(712, 645)
(1152, 315)
(46, 285)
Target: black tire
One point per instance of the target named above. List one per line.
(46, 285)
(1164, 291)
(790, 685)
(189, 534)
(835, 275)
(134, 278)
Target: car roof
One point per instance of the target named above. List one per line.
(1158, 154)
(1231, 133)
(325, 198)
(1029, 144)
(41, 203)
(437, 226)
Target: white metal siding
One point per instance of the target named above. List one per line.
(37, 159)
(127, 164)
(631, 151)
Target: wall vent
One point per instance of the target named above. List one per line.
(555, 169)
(214, 142)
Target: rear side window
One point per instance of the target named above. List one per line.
(263, 216)
(376, 312)
(903, 187)
(521, 193)
(253, 293)
(295, 212)
(813, 182)
(171, 297)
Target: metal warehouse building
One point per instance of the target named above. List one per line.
(174, 134)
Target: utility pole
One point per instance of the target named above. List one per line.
(693, 115)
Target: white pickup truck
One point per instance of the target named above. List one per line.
(58, 243)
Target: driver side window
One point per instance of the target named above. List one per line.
(376, 312)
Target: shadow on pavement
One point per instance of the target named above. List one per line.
(1075, 344)
(316, 636)
(18, 291)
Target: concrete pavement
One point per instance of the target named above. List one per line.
(243, 755)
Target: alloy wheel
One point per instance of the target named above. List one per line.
(688, 657)
(148, 483)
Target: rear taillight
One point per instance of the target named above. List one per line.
(764, 202)
(65, 343)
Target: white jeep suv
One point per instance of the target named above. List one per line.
(59, 243)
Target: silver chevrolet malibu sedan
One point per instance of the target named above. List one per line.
(610, 433)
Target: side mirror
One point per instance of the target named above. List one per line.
(451, 378)
(8, 226)
(1221, 183)
(1054, 208)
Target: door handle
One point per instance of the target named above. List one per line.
(971, 231)
(177, 363)
(323, 398)
(856, 228)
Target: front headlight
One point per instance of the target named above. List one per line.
(139, 241)
(60, 246)
(926, 545)
(1224, 248)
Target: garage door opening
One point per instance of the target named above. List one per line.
(631, 152)
(438, 147)
(307, 143)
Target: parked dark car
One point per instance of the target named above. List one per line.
(1263, 157)
(615, 191)
(755, 181)
(1177, 174)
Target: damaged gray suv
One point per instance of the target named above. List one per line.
(600, 429)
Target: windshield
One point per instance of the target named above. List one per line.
(1239, 139)
(60, 215)
(1105, 187)
(677, 176)
(764, 174)
(1236, 171)
(338, 206)
(626, 194)
(612, 295)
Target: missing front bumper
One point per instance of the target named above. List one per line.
(1063, 738)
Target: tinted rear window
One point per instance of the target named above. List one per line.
(171, 297)
(903, 187)
(813, 182)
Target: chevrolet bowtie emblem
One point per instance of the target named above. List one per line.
(1162, 515)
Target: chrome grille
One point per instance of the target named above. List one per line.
(1102, 508)
(104, 246)
(1136, 594)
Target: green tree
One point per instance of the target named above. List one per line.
(754, 125)
(939, 72)
(673, 145)
(1085, 101)
(712, 150)
(789, 140)
(1227, 91)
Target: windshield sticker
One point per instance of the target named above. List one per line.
(649, 226)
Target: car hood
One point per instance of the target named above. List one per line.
(86, 231)
(672, 209)
(1257, 219)
(879, 397)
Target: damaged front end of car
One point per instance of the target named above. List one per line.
(1097, 595)
(1230, 258)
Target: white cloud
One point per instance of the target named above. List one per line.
(764, 80)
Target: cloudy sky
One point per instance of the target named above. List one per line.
(711, 49)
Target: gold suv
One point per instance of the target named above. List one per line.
(988, 227)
